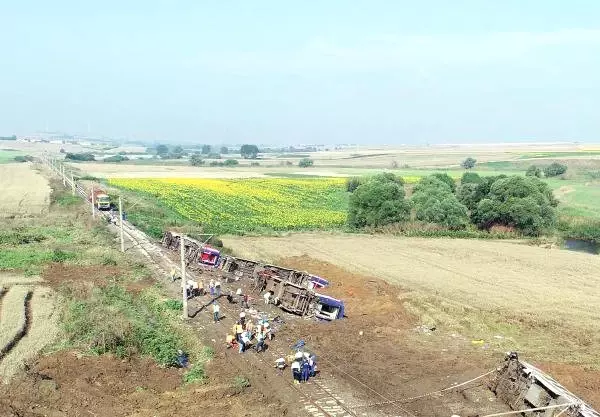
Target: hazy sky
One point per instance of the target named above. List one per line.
(325, 71)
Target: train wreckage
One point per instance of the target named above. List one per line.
(294, 291)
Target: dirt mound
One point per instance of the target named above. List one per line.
(81, 278)
(69, 384)
(577, 379)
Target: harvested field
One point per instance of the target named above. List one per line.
(12, 316)
(531, 297)
(24, 191)
(42, 331)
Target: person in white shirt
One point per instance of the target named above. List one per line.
(218, 288)
(296, 371)
(267, 297)
(216, 310)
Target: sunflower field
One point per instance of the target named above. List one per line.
(249, 205)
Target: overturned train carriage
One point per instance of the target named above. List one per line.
(523, 386)
(196, 253)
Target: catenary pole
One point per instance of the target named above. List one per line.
(183, 279)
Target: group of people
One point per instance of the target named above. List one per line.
(304, 366)
(244, 332)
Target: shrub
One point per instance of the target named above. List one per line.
(305, 163)
(240, 383)
(533, 171)
(376, 203)
(23, 158)
(555, 169)
(231, 162)
(387, 177)
(116, 158)
(195, 374)
(213, 155)
(215, 163)
(59, 255)
(352, 184)
(82, 156)
(254, 164)
(468, 163)
(176, 305)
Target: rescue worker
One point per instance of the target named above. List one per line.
(245, 299)
(267, 297)
(260, 342)
(250, 326)
(216, 311)
(298, 356)
(305, 370)
(296, 372)
(312, 361)
(243, 319)
(201, 287)
(173, 274)
(230, 341)
(238, 294)
(182, 359)
(246, 337)
(211, 287)
(218, 288)
(239, 329)
(230, 297)
(280, 364)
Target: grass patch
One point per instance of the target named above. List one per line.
(196, 374)
(240, 383)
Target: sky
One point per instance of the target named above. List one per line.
(312, 71)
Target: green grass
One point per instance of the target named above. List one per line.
(545, 155)
(9, 156)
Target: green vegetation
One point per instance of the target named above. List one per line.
(196, 160)
(533, 171)
(240, 383)
(13, 137)
(81, 156)
(116, 158)
(554, 169)
(377, 202)
(468, 163)
(305, 163)
(9, 156)
(249, 151)
(23, 158)
(195, 374)
(547, 155)
(434, 202)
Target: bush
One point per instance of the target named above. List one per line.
(554, 169)
(83, 156)
(195, 374)
(533, 171)
(254, 164)
(387, 177)
(215, 163)
(116, 158)
(213, 155)
(240, 383)
(305, 163)
(468, 163)
(352, 184)
(176, 305)
(231, 162)
(23, 158)
(59, 255)
(376, 203)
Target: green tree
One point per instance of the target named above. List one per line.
(82, 156)
(555, 169)
(470, 177)
(533, 171)
(177, 152)
(377, 203)
(434, 202)
(447, 179)
(206, 149)
(387, 177)
(305, 163)
(162, 150)
(525, 203)
(249, 151)
(468, 163)
(224, 150)
(196, 160)
(468, 194)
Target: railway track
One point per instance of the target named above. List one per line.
(318, 397)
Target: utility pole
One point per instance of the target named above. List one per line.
(121, 224)
(62, 170)
(72, 184)
(93, 203)
(183, 280)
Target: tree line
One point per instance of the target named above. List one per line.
(523, 203)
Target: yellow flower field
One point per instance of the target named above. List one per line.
(246, 205)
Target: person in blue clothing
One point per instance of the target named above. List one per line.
(305, 370)
(182, 359)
